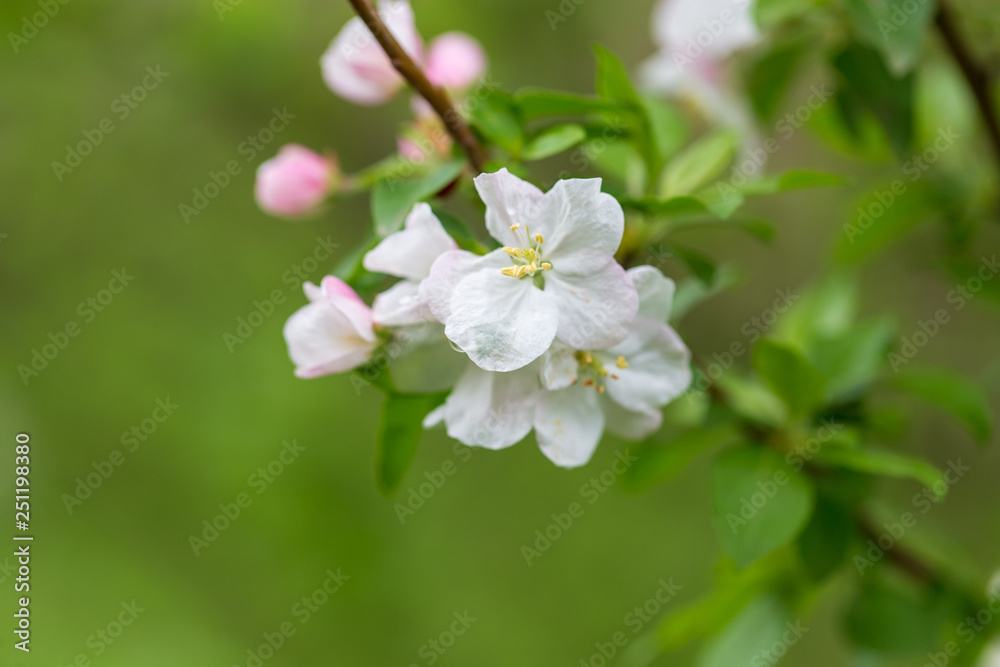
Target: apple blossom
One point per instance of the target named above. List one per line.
(695, 39)
(454, 61)
(355, 66)
(333, 333)
(555, 277)
(622, 388)
(295, 181)
(408, 254)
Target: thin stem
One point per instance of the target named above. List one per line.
(436, 97)
(899, 556)
(976, 76)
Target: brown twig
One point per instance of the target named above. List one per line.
(900, 557)
(436, 97)
(976, 76)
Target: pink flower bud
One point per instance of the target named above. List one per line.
(455, 60)
(295, 181)
(333, 333)
(355, 66)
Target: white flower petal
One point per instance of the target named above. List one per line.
(595, 311)
(446, 272)
(410, 252)
(509, 201)
(342, 297)
(560, 367)
(659, 368)
(401, 305)
(569, 424)
(502, 323)
(656, 292)
(704, 28)
(492, 410)
(580, 217)
(627, 423)
(322, 340)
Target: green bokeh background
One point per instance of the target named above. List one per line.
(163, 337)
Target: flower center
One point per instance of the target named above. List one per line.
(528, 258)
(595, 372)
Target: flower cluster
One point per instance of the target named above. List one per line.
(553, 334)
(297, 181)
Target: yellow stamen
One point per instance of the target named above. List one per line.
(513, 252)
(603, 372)
(510, 271)
(546, 266)
(600, 388)
(516, 226)
(539, 238)
(587, 358)
(588, 383)
(621, 363)
(614, 377)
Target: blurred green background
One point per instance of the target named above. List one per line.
(162, 337)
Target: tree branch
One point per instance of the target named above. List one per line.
(898, 556)
(436, 97)
(977, 77)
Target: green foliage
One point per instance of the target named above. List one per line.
(895, 28)
(393, 197)
(884, 462)
(497, 118)
(399, 434)
(662, 459)
(952, 392)
(553, 140)
(790, 375)
(701, 162)
(761, 503)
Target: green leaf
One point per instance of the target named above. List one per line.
(770, 13)
(761, 503)
(827, 538)
(882, 217)
(553, 140)
(896, 28)
(752, 401)
(892, 617)
(852, 360)
(889, 98)
(496, 117)
(796, 381)
(885, 463)
(662, 460)
(399, 434)
(952, 392)
(537, 102)
(669, 126)
(772, 74)
(393, 198)
(692, 292)
(751, 635)
(699, 163)
(796, 179)
(700, 266)
(458, 230)
(612, 78)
